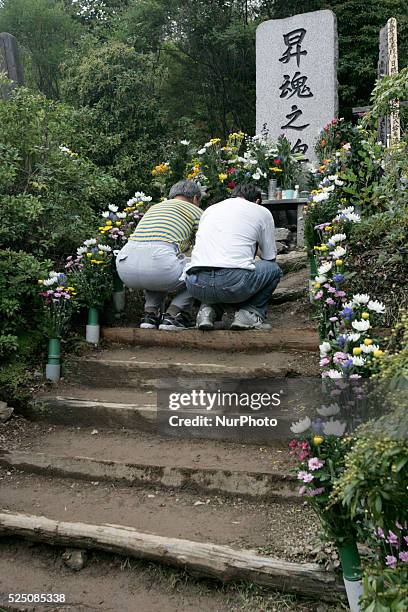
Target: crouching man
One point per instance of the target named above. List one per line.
(223, 269)
(154, 260)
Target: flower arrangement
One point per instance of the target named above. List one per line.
(59, 302)
(90, 272)
(218, 167)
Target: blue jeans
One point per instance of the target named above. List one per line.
(250, 289)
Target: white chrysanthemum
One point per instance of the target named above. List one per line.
(53, 274)
(325, 267)
(320, 197)
(370, 348)
(376, 306)
(353, 337)
(105, 214)
(332, 177)
(338, 252)
(325, 348)
(360, 299)
(202, 151)
(185, 142)
(300, 426)
(81, 250)
(336, 238)
(328, 411)
(90, 242)
(146, 198)
(48, 282)
(113, 208)
(320, 279)
(334, 428)
(361, 326)
(354, 217)
(256, 176)
(339, 182)
(332, 374)
(121, 215)
(105, 248)
(358, 361)
(346, 146)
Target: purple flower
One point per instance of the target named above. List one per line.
(333, 319)
(331, 289)
(315, 464)
(338, 278)
(347, 313)
(330, 302)
(391, 561)
(324, 362)
(305, 476)
(317, 426)
(404, 556)
(341, 341)
(302, 490)
(341, 294)
(318, 295)
(379, 532)
(393, 539)
(406, 539)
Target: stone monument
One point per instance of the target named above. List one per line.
(389, 129)
(10, 62)
(296, 82)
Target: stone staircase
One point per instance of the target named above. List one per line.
(93, 463)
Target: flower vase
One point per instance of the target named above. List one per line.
(93, 328)
(53, 367)
(272, 186)
(118, 295)
(351, 566)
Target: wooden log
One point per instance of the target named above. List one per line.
(212, 560)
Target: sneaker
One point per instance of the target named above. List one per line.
(177, 322)
(205, 318)
(247, 319)
(150, 321)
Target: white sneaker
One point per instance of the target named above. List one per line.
(247, 319)
(205, 318)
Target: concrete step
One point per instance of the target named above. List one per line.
(142, 459)
(292, 287)
(142, 367)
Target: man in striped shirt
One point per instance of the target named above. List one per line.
(154, 260)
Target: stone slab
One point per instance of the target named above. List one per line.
(296, 77)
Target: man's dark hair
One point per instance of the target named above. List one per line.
(248, 191)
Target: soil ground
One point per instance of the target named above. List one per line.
(115, 584)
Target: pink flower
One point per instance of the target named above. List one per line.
(304, 445)
(303, 455)
(404, 556)
(324, 362)
(302, 490)
(318, 295)
(340, 294)
(391, 561)
(380, 533)
(331, 290)
(315, 464)
(293, 444)
(318, 491)
(406, 539)
(305, 476)
(330, 302)
(333, 319)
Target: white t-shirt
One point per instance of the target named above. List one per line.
(229, 233)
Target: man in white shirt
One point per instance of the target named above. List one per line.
(223, 269)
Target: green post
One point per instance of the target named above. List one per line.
(53, 367)
(93, 316)
(351, 566)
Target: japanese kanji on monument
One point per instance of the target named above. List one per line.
(297, 77)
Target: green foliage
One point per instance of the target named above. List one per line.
(385, 590)
(316, 215)
(19, 273)
(123, 124)
(46, 33)
(378, 258)
(387, 92)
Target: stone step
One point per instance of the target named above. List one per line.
(292, 287)
(142, 459)
(142, 367)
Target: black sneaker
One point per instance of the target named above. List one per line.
(177, 322)
(150, 321)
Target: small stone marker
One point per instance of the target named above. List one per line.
(296, 75)
(10, 62)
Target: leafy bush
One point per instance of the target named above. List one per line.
(385, 589)
(378, 258)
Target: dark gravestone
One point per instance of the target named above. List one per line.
(10, 63)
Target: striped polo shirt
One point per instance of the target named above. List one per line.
(173, 221)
